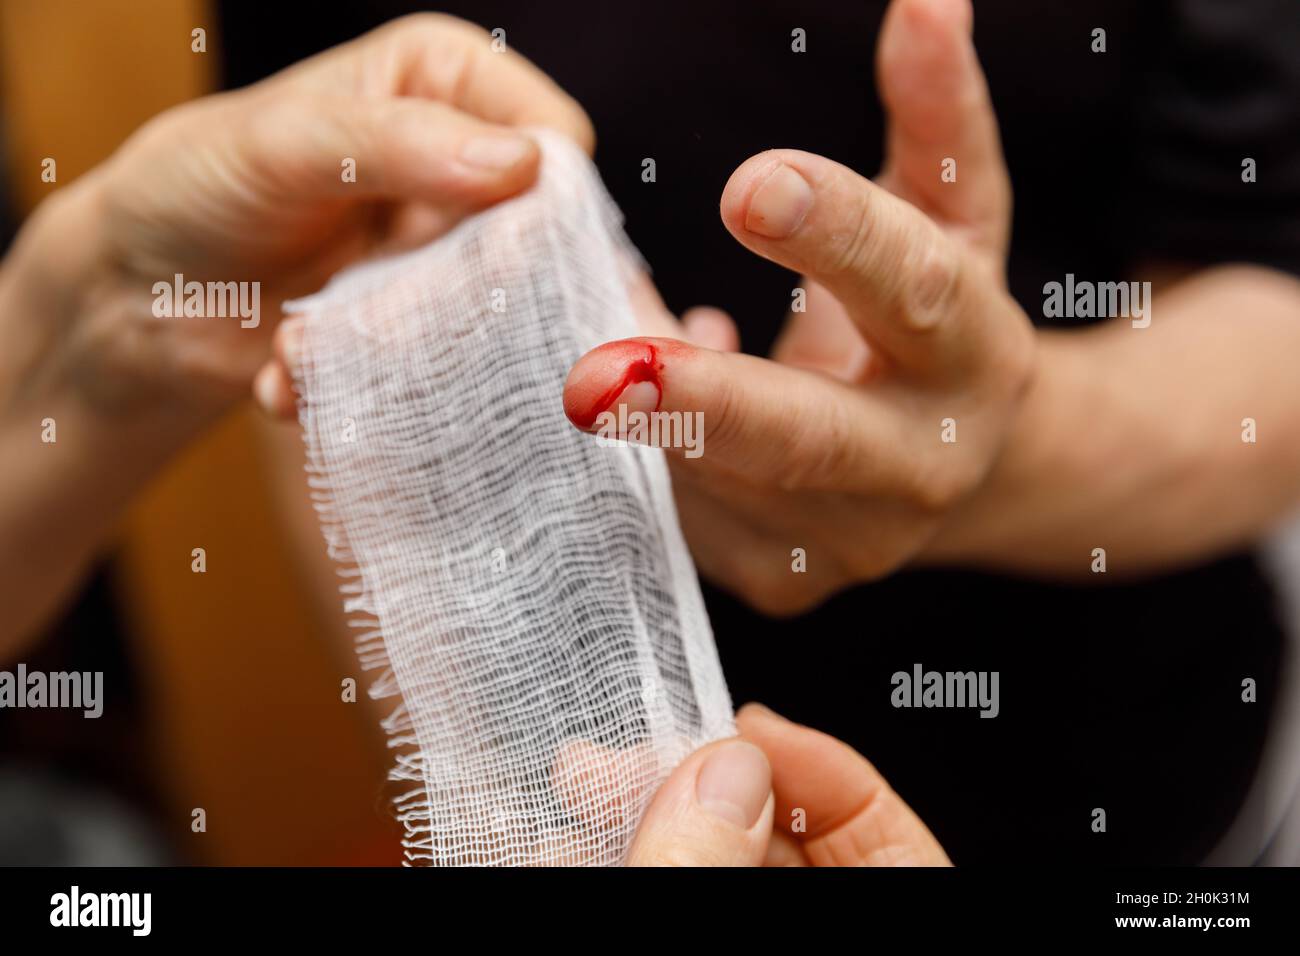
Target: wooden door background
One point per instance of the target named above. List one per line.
(242, 665)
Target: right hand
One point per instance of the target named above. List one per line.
(780, 795)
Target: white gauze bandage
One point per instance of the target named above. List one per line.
(524, 590)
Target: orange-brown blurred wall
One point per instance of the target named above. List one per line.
(243, 670)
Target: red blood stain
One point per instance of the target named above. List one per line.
(600, 376)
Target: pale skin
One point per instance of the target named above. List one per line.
(793, 797)
(247, 186)
(1067, 441)
(241, 186)
(1106, 437)
(1109, 437)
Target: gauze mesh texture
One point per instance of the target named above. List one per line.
(523, 591)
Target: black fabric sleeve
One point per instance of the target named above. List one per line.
(1223, 86)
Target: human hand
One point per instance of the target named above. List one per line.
(837, 444)
(253, 186)
(780, 795)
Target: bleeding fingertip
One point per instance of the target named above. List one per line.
(626, 371)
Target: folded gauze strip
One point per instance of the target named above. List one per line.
(524, 589)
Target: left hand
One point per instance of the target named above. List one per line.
(376, 145)
(836, 445)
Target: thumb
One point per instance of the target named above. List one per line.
(714, 810)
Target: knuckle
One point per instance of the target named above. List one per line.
(772, 589)
(852, 253)
(936, 491)
(1016, 359)
(824, 457)
(750, 580)
(267, 129)
(780, 600)
(929, 277)
(404, 125)
(761, 587)
(874, 567)
(856, 563)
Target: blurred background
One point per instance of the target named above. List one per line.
(221, 692)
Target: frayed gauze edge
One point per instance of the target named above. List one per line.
(524, 594)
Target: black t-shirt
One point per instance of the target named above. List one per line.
(1123, 697)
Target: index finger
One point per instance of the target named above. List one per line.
(440, 57)
(852, 817)
(906, 285)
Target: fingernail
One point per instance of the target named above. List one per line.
(734, 783)
(620, 367)
(779, 204)
(496, 152)
(638, 397)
